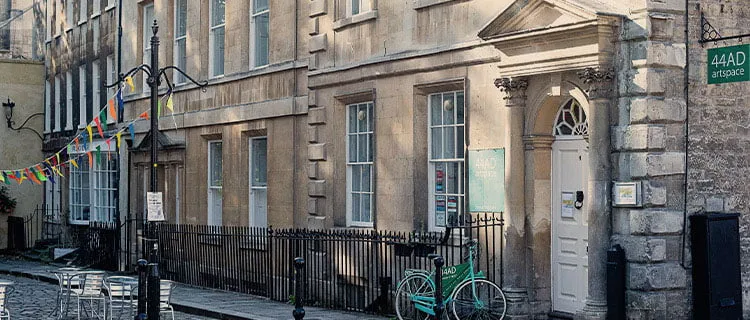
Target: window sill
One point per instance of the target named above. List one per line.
(82, 22)
(96, 15)
(421, 4)
(355, 19)
(110, 7)
(79, 222)
(69, 29)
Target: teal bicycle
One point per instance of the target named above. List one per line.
(467, 294)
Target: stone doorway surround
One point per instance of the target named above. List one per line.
(552, 51)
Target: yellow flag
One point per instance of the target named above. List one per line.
(170, 103)
(91, 134)
(129, 81)
(74, 163)
(118, 135)
(2, 179)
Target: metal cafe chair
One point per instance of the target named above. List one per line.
(165, 296)
(6, 288)
(90, 291)
(66, 282)
(121, 292)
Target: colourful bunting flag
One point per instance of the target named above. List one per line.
(144, 115)
(51, 177)
(39, 175)
(91, 134)
(57, 157)
(103, 119)
(158, 108)
(129, 81)
(120, 103)
(119, 136)
(57, 170)
(170, 103)
(131, 128)
(99, 127)
(77, 143)
(2, 178)
(91, 160)
(109, 141)
(74, 163)
(112, 110)
(7, 180)
(85, 141)
(99, 154)
(32, 176)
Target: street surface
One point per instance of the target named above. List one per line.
(34, 300)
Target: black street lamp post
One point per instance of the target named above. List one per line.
(154, 74)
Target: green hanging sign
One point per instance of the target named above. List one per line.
(729, 64)
(487, 180)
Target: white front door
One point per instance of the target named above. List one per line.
(569, 224)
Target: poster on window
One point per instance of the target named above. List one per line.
(155, 206)
(440, 210)
(487, 180)
(567, 205)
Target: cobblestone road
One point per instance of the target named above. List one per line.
(34, 300)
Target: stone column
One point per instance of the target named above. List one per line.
(514, 269)
(597, 200)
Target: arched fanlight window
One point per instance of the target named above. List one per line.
(571, 120)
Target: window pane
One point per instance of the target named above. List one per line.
(356, 177)
(370, 150)
(440, 177)
(437, 143)
(366, 178)
(261, 40)
(362, 144)
(452, 177)
(362, 116)
(355, 6)
(449, 151)
(260, 5)
(366, 215)
(440, 211)
(352, 148)
(181, 14)
(181, 60)
(460, 108)
(353, 118)
(217, 12)
(449, 108)
(215, 170)
(218, 63)
(436, 113)
(370, 117)
(356, 216)
(460, 142)
(148, 21)
(259, 162)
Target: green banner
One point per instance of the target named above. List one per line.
(729, 64)
(487, 180)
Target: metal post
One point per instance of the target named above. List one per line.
(153, 82)
(439, 304)
(142, 263)
(299, 310)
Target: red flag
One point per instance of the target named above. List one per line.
(91, 160)
(99, 127)
(112, 110)
(76, 141)
(32, 176)
(144, 115)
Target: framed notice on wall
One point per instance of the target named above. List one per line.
(487, 180)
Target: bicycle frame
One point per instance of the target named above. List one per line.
(427, 304)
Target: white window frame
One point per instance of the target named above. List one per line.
(254, 16)
(351, 164)
(146, 43)
(101, 179)
(111, 75)
(251, 178)
(96, 33)
(178, 77)
(57, 107)
(96, 8)
(459, 158)
(82, 97)
(69, 100)
(96, 87)
(47, 107)
(213, 216)
(69, 18)
(83, 13)
(362, 5)
(211, 41)
(110, 5)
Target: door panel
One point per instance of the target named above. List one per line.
(569, 226)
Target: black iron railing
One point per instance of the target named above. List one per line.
(344, 269)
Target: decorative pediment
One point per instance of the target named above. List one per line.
(529, 15)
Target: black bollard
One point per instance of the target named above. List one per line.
(299, 310)
(439, 304)
(142, 263)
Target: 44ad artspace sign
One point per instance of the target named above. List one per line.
(729, 64)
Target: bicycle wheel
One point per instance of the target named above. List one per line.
(489, 303)
(415, 284)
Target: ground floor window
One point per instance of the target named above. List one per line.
(92, 189)
(359, 169)
(446, 164)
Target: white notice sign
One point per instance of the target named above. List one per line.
(155, 206)
(567, 205)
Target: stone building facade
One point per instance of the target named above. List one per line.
(363, 114)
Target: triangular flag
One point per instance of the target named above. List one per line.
(170, 103)
(40, 174)
(70, 148)
(32, 176)
(57, 170)
(74, 163)
(129, 81)
(91, 134)
(109, 141)
(76, 141)
(131, 128)
(158, 108)
(112, 110)
(120, 103)
(2, 178)
(91, 160)
(144, 115)
(85, 141)
(103, 119)
(99, 154)
(51, 177)
(57, 157)
(7, 179)
(99, 126)
(119, 136)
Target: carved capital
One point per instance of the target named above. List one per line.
(515, 90)
(533, 142)
(600, 82)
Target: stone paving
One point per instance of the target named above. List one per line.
(37, 289)
(34, 300)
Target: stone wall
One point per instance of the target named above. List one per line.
(719, 144)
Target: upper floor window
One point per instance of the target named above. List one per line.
(47, 107)
(180, 38)
(148, 19)
(69, 19)
(96, 8)
(216, 38)
(96, 85)
(446, 154)
(82, 96)
(111, 76)
(48, 20)
(259, 29)
(95, 31)
(359, 169)
(56, 106)
(110, 4)
(358, 6)
(83, 11)
(69, 103)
